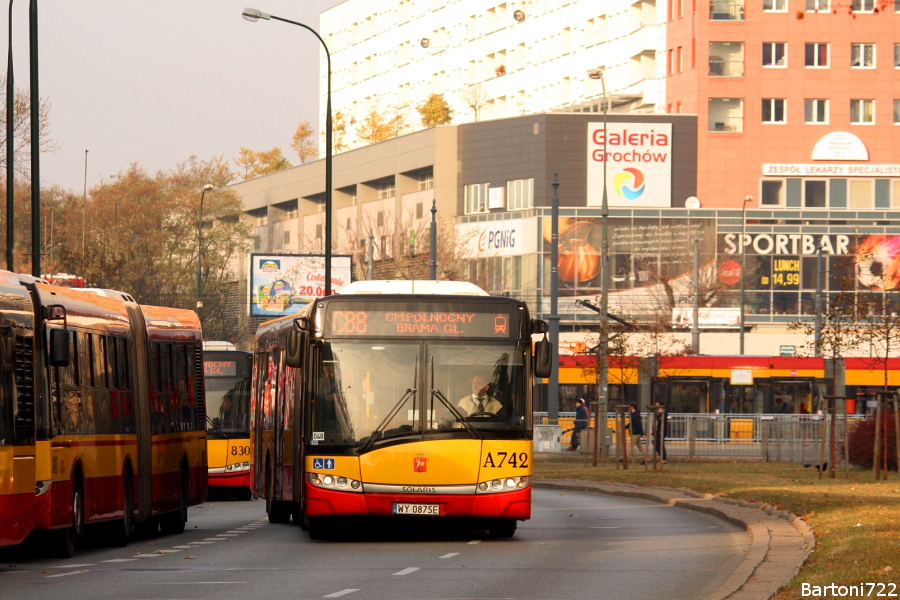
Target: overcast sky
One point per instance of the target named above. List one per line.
(156, 81)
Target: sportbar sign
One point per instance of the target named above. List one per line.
(638, 164)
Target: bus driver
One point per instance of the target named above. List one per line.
(479, 401)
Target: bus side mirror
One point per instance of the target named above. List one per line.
(294, 350)
(543, 358)
(59, 347)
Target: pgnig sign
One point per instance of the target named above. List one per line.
(638, 159)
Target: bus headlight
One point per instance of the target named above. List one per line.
(503, 485)
(330, 482)
(244, 466)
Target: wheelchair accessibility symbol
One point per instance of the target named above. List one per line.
(323, 464)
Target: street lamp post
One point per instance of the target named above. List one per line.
(206, 188)
(747, 200)
(253, 15)
(35, 141)
(10, 150)
(433, 242)
(603, 392)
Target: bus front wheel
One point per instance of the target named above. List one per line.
(503, 528)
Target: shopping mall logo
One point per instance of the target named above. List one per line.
(634, 191)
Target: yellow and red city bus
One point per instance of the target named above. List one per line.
(227, 374)
(360, 407)
(102, 421)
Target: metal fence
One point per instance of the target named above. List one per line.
(765, 437)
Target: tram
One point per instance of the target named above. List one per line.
(102, 418)
(227, 374)
(397, 399)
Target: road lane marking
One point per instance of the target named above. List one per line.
(474, 542)
(341, 593)
(202, 542)
(604, 528)
(148, 555)
(215, 539)
(72, 566)
(407, 571)
(67, 574)
(451, 555)
(235, 531)
(184, 547)
(226, 535)
(118, 560)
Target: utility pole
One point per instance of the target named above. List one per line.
(553, 384)
(433, 245)
(695, 329)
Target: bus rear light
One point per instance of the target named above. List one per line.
(334, 483)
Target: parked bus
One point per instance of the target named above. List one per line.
(102, 419)
(227, 374)
(362, 406)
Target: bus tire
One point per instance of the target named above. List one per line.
(175, 521)
(120, 531)
(298, 517)
(314, 528)
(64, 539)
(503, 528)
(280, 513)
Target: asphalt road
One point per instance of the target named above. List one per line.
(577, 545)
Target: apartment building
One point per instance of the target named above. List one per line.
(493, 59)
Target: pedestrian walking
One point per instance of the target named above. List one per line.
(581, 423)
(637, 430)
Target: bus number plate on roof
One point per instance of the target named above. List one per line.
(433, 510)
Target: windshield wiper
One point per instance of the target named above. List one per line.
(436, 393)
(380, 429)
(216, 427)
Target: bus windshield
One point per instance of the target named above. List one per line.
(371, 390)
(227, 378)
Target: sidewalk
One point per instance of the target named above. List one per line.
(780, 541)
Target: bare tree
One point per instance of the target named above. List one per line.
(475, 97)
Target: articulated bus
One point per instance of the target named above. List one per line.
(227, 374)
(102, 418)
(397, 399)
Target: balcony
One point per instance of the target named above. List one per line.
(726, 59)
(726, 10)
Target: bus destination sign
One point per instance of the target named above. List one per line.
(220, 368)
(403, 323)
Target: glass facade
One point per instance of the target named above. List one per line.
(652, 253)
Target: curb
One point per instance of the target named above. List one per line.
(780, 542)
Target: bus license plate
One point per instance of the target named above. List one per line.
(417, 509)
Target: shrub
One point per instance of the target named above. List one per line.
(862, 441)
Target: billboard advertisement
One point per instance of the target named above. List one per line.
(638, 164)
(282, 284)
(509, 237)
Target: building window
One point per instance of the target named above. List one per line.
(815, 193)
(291, 213)
(774, 54)
(520, 194)
(772, 193)
(386, 189)
(726, 114)
(818, 5)
(287, 238)
(815, 111)
(897, 52)
(862, 56)
(319, 229)
(816, 55)
(475, 198)
(420, 210)
(774, 5)
(896, 112)
(726, 59)
(773, 110)
(862, 112)
(862, 193)
(862, 6)
(426, 180)
(262, 220)
(679, 59)
(895, 198)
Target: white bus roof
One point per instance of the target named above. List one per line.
(425, 286)
(214, 345)
(109, 293)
